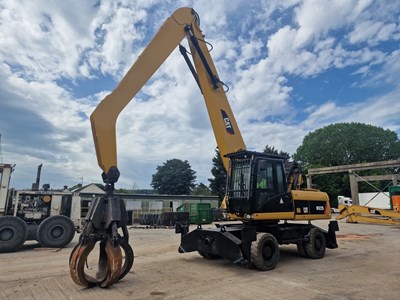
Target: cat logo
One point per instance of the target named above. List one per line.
(227, 121)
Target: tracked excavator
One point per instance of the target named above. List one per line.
(263, 190)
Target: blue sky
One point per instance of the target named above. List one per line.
(292, 67)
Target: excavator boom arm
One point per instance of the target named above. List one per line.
(182, 23)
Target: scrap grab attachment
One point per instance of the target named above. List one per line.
(106, 215)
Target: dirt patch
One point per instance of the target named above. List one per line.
(355, 236)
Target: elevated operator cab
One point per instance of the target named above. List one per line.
(266, 187)
(257, 184)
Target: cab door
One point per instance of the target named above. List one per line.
(270, 188)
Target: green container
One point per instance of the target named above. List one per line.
(393, 190)
(200, 213)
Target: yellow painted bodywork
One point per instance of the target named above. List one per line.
(296, 195)
(364, 214)
(171, 33)
(311, 195)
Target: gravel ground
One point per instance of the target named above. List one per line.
(365, 266)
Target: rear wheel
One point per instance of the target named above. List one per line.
(13, 233)
(265, 252)
(56, 232)
(316, 246)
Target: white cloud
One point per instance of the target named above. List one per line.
(259, 49)
(318, 17)
(42, 41)
(371, 32)
(388, 71)
(310, 47)
(115, 31)
(285, 137)
(372, 111)
(259, 93)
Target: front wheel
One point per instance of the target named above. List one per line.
(316, 246)
(265, 252)
(13, 233)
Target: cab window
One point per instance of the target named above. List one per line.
(264, 175)
(270, 176)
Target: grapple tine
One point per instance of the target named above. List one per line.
(73, 264)
(103, 263)
(114, 256)
(129, 257)
(77, 265)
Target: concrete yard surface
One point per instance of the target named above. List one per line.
(365, 266)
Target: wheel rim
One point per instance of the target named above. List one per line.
(56, 232)
(268, 251)
(6, 234)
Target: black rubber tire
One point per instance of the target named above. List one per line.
(13, 233)
(301, 249)
(265, 252)
(56, 232)
(209, 255)
(316, 246)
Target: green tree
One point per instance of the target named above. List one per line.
(343, 144)
(272, 150)
(348, 143)
(201, 189)
(218, 182)
(174, 177)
